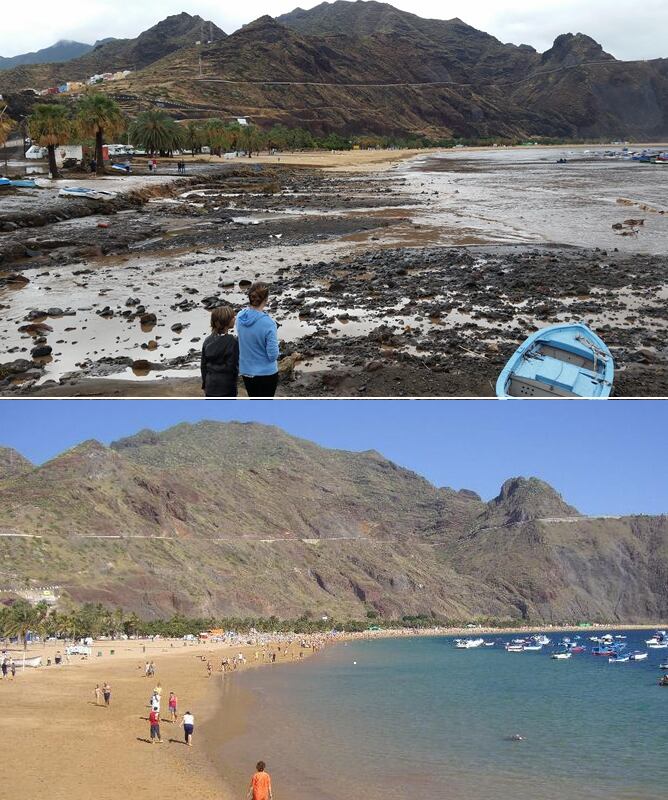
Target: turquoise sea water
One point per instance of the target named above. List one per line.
(417, 718)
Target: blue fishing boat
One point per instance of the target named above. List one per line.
(567, 360)
(23, 183)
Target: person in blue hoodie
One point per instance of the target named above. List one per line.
(258, 344)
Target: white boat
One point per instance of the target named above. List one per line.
(662, 646)
(619, 659)
(489, 644)
(561, 656)
(515, 648)
(638, 656)
(86, 194)
(468, 644)
(533, 646)
(541, 639)
(663, 666)
(660, 637)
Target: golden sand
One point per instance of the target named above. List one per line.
(57, 744)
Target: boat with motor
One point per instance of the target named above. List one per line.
(86, 194)
(561, 656)
(576, 648)
(663, 681)
(638, 656)
(489, 644)
(468, 644)
(663, 666)
(660, 639)
(618, 658)
(540, 638)
(533, 647)
(566, 360)
(515, 647)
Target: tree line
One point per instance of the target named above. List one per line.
(97, 118)
(94, 619)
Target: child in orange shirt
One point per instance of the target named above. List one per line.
(260, 785)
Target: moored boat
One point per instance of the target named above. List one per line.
(468, 644)
(618, 658)
(638, 656)
(567, 360)
(560, 656)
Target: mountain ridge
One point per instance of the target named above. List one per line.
(245, 519)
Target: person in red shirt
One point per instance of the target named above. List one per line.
(260, 785)
(154, 721)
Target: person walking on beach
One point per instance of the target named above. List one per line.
(98, 694)
(260, 785)
(188, 727)
(258, 344)
(154, 723)
(220, 356)
(106, 693)
(172, 704)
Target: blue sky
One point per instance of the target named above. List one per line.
(605, 458)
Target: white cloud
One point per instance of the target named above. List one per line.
(629, 32)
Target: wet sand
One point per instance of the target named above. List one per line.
(383, 284)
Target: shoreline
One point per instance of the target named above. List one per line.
(49, 708)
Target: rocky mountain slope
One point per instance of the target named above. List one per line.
(63, 50)
(111, 55)
(366, 67)
(237, 518)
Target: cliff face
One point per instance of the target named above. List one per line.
(244, 519)
(366, 67)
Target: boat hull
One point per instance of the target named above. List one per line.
(556, 362)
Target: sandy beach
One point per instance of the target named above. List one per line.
(87, 749)
(65, 747)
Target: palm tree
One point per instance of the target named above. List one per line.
(156, 132)
(7, 125)
(25, 618)
(49, 125)
(217, 136)
(193, 137)
(251, 139)
(99, 115)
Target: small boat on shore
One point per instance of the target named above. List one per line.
(82, 192)
(559, 361)
(23, 183)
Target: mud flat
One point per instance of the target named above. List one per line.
(375, 294)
